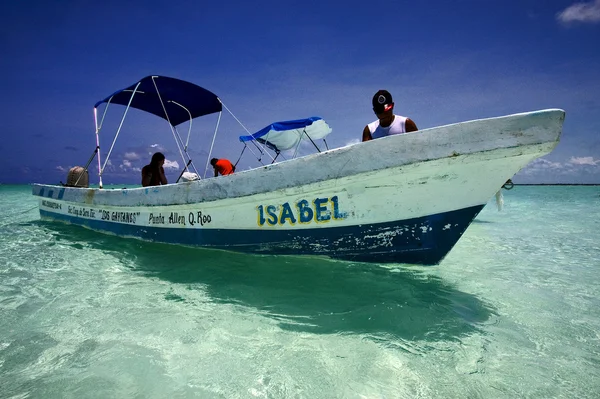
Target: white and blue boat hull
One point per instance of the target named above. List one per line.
(405, 199)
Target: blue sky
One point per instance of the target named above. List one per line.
(443, 61)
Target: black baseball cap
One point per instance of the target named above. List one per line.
(382, 101)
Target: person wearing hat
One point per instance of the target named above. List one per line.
(387, 122)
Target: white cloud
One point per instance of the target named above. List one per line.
(545, 164)
(573, 166)
(131, 156)
(61, 168)
(153, 148)
(541, 165)
(125, 165)
(171, 164)
(109, 167)
(584, 161)
(581, 12)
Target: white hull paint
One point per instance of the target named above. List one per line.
(405, 198)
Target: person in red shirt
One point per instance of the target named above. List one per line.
(222, 166)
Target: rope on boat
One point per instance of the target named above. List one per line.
(243, 149)
(183, 171)
(499, 198)
(85, 168)
(16, 214)
(246, 129)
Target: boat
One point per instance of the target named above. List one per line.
(403, 199)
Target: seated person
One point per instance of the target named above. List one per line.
(154, 174)
(222, 166)
(387, 123)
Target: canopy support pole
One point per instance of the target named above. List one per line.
(98, 141)
(168, 119)
(118, 131)
(188, 157)
(212, 143)
(190, 128)
(185, 146)
(311, 140)
(276, 156)
(259, 158)
(242, 125)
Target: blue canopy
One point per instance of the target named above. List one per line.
(287, 134)
(182, 100)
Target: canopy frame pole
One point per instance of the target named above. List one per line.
(326, 146)
(311, 140)
(242, 125)
(185, 147)
(188, 158)
(213, 142)
(118, 130)
(98, 127)
(266, 140)
(299, 141)
(103, 115)
(260, 149)
(190, 128)
(98, 140)
(257, 157)
(297, 146)
(168, 119)
(276, 156)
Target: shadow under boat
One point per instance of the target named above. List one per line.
(304, 294)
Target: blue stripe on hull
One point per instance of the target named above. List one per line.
(424, 240)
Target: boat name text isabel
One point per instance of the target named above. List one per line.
(320, 211)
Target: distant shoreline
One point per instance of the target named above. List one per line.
(137, 185)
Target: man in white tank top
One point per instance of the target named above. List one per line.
(387, 123)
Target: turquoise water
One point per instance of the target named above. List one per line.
(512, 312)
